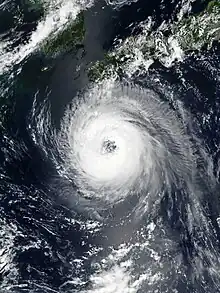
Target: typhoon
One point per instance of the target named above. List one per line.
(118, 141)
(121, 143)
(131, 168)
(110, 147)
(125, 155)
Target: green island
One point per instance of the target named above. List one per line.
(69, 39)
(196, 31)
(192, 32)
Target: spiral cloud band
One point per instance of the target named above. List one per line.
(116, 141)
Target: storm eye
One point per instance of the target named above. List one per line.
(109, 146)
